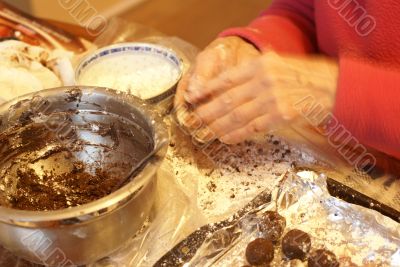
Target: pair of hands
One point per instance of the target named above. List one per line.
(236, 91)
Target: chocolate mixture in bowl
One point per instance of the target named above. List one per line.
(53, 192)
(59, 159)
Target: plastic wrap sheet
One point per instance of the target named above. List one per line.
(379, 180)
(174, 217)
(357, 235)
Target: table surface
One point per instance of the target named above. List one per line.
(71, 28)
(195, 21)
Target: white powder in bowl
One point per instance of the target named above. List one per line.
(143, 75)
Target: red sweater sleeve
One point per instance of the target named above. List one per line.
(368, 105)
(286, 26)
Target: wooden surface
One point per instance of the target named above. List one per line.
(71, 28)
(196, 21)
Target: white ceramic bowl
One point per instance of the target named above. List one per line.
(148, 71)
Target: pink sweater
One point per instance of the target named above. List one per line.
(365, 37)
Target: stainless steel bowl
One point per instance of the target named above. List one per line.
(81, 234)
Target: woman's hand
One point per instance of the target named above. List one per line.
(220, 55)
(262, 94)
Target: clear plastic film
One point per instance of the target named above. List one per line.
(347, 161)
(356, 235)
(174, 216)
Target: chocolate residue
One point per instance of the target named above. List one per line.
(65, 158)
(26, 117)
(112, 132)
(53, 192)
(74, 95)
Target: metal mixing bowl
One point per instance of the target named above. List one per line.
(99, 127)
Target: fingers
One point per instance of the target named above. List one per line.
(242, 115)
(223, 82)
(226, 102)
(258, 125)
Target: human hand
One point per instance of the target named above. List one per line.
(222, 54)
(261, 95)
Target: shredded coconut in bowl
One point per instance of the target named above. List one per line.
(143, 74)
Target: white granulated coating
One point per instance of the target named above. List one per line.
(142, 75)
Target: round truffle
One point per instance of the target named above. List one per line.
(260, 251)
(296, 244)
(272, 225)
(322, 258)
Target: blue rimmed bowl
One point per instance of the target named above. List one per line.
(148, 71)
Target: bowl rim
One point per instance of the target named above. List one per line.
(179, 64)
(100, 207)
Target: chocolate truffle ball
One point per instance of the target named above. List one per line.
(272, 225)
(296, 244)
(322, 258)
(259, 251)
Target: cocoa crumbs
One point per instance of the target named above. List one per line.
(211, 186)
(54, 192)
